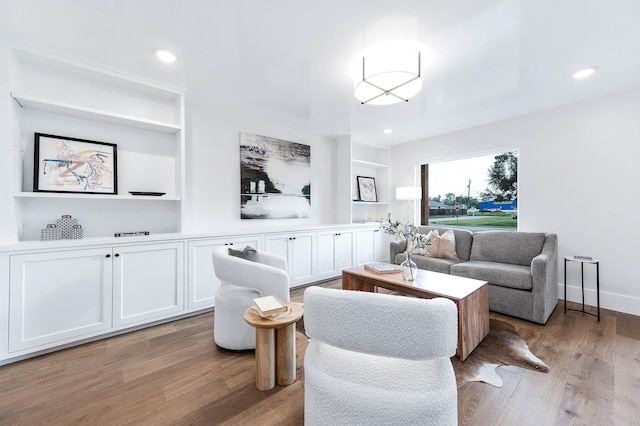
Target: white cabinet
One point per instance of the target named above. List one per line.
(299, 250)
(372, 245)
(59, 296)
(335, 252)
(203, 282)
(148, 282)
(381, 243)
(62, 296)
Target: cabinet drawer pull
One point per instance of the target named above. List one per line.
(117, 255)
(108, 256)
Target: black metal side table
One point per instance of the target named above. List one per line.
(582, 260)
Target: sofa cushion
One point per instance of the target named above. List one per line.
(463, 238)
(428, 263)
(502, 274)
(517, 248)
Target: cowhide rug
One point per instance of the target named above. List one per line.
(502, 346)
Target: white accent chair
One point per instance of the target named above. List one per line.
(379, 359)
(242, 281)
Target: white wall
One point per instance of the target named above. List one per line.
(8, 233)
(213, 172)
(578, 177)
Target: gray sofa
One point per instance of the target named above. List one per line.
(520, 267)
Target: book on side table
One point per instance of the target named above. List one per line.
(382, 268)
(270, 307)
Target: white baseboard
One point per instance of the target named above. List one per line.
(612, 301)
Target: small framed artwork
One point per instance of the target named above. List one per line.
(367, 188)
(64, 164)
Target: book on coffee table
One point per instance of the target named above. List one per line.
(382, 268)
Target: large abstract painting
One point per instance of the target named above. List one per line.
(63, 164)
(275, 178)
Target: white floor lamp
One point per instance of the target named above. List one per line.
(409, 193)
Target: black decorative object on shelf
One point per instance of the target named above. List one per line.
(153, 194)
(131, 234)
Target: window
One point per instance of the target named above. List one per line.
(472, 192)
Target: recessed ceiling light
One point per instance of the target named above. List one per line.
(585, 72)
(165, 56)
(387, 131)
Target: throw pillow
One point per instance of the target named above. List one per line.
(442, 246)
(423, 250)
(249, 253)
(432, 249)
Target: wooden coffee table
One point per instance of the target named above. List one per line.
(275, 347)
(470, 296)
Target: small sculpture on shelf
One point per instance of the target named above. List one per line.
(51, 232)
(65, 228)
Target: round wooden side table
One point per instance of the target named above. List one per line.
(275, 347)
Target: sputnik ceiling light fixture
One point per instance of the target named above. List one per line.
(388, 74)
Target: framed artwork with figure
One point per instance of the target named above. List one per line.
(367, 189)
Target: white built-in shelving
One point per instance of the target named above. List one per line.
(48, 105)
(369, 161)
(70, 98)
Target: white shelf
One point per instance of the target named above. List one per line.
(369, 203)
(93, 196)
(369, 164)
(47, 105)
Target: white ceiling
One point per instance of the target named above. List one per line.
(287, 61)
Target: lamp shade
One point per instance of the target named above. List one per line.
(388, 75)
(409, 193)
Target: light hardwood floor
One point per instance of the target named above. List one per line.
(174, 374)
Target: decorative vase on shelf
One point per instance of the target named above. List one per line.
(409, 268)
(65, 224)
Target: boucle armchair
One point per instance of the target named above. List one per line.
(242, 281)
(379, 359)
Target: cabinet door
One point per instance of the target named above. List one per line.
(239, 243)
(302, 265)
(327, 258)
(365, 242)
(57, 297)
(344, 250)
(278, 244)
(148, 282)
(381, 243)
(203, 282)
(299, 250)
